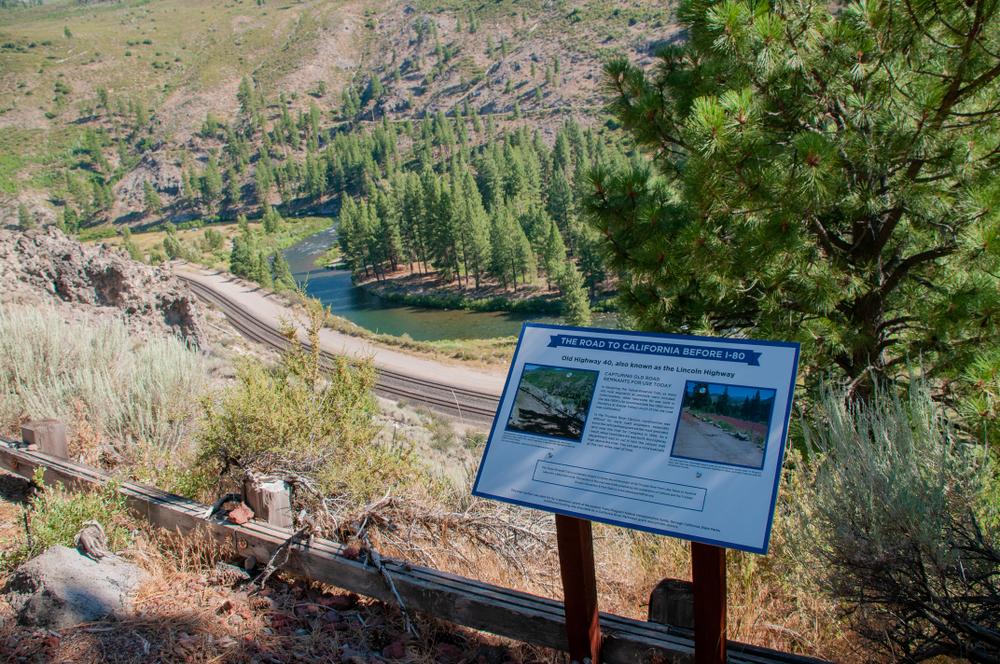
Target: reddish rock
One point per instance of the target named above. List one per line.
(240, 514)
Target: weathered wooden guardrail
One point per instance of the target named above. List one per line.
(460, 600)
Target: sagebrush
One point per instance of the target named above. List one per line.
(130, 393)
(899, 528)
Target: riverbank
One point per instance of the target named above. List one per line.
(475, 364)
(432, 292)
(210, 244)
(489, 352)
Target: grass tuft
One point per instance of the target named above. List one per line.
(55, 515)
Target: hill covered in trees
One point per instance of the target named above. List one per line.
(458, 134)
(108, 114)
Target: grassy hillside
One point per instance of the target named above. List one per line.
(177, 59)
(143, 76)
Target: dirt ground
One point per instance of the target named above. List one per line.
(707, 442)
(188, 613)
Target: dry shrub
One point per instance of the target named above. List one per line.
(314, 428)
(771, 602)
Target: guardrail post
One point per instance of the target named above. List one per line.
(672, 603)
(47, 436)
(270, 498)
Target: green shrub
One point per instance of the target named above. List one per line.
(898, 525)
(294, 419)
(55, 515)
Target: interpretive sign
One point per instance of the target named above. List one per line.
(676, 435)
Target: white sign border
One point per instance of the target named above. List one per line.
(676, 337)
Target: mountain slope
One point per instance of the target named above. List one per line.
(143, 76)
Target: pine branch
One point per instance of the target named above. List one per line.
(907, 264)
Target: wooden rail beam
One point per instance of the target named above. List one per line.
(482, 606)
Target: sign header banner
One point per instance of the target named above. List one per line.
(676, 435)
(665, 349)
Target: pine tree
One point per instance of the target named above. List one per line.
(389, 229)
(473, 228)
(233, 190)
(260, 269)
(189, 187)
(524, 257)
(241, 256)
(589, 251)
(210, 185)
(271, 221)
(281, 273)
(502, 247)
(25, 219)
(560, 204)
(263, 181)
(823, 176)
(575, 305)
(151, 198)
(247, 98)
(553, 254)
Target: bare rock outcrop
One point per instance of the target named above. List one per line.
(62, 588)
(45, 266)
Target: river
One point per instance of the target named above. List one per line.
(335, 289)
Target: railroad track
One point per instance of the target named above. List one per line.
(456, 402)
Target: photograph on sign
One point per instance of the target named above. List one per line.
(553, 401)
(724, 423)
(676, 435)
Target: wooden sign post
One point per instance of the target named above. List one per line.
(708, 574)
(576, 565)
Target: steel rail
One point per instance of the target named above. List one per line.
(453, 401)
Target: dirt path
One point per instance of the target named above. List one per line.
(268, 309)
(701, 440)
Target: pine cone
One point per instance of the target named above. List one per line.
(228, 575)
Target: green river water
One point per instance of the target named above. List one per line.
(335, 289)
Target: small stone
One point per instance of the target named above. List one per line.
(340, 602)
(228, 575)
(240, 514)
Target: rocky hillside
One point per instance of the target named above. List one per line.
(41, 267)
(100, 101)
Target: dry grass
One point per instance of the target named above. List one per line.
(184, 613)
(770, 603)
